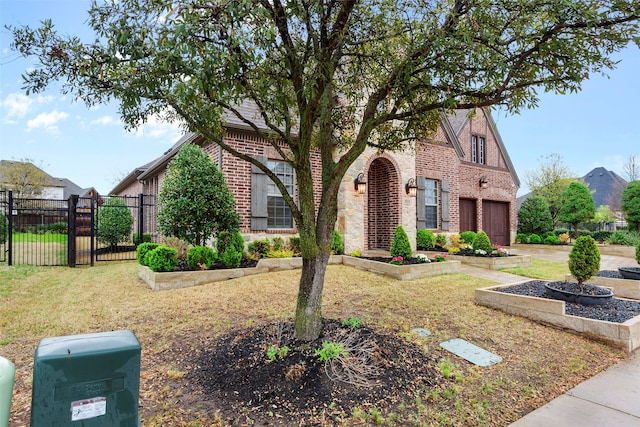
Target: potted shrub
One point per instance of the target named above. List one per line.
(632, 272)
(584, 262)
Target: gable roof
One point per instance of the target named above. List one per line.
(606, 186)
(454, 123)
(68, 187)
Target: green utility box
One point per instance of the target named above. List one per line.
(7, 378)
(86, 380)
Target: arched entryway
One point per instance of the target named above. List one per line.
(383, 204)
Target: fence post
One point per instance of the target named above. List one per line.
(10, 233)
(71, 230)
(140, 219)
(92, 233)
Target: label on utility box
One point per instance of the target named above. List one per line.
(88, 408)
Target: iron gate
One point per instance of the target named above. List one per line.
(75, 231)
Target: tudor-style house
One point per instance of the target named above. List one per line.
(461, 179)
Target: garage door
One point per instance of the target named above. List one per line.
(495, 222)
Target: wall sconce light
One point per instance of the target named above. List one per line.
(360, 184)
(483, 182)
(411, 187)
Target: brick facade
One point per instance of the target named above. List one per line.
(368, 221)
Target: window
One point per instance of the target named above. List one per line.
(278, 213)
(477, 149)
(431, 203)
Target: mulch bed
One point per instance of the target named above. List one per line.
(234, 378)
(615, 310)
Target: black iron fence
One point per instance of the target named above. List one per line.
(74, 232)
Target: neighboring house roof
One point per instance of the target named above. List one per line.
(453, 124)
(606, 187)
(68, 186)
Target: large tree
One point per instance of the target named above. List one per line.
(23, 177)
(534, 216)
(333, 76)
(195, 202)
(549, 181)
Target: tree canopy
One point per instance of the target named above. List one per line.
(549, 181)
(333, 76)
(534, 216)
(25, 179)
(195, 203)
(114, 221)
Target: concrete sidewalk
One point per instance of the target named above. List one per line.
(609, 399)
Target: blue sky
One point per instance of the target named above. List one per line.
(596, 127)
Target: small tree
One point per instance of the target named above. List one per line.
(584, 259)
(195, 203)
(630, 204)
(114, 222)
(400, 245)
(577, 205)
(482, 242)
(534, 216)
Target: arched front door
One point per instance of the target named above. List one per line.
(383, 204)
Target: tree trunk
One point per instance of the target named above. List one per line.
(308, 322)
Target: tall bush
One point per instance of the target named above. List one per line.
(630, 204)
(400, 245)
(468, 236)
(229, 238)
(534, 216)
(577, 205)
(114, 221)
(584, 259)
(195, 203)
(142, 251)
(201, 257)
(162, 258)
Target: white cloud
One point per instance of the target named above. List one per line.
(47, 121)
(104, 120)
(16, 105)
(158, 129)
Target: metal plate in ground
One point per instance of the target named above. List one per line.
(472, 353)
(421, 332)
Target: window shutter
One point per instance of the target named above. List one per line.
(445, 205)
(421, 212)
(258, 196)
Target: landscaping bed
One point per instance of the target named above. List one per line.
(494, 262)
(182, 279)
(616, 322)
(624, 288)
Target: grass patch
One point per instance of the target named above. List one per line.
(40, 238)
(541, 269)
(39, 302)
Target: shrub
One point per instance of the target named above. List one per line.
(356, 254)
(179, 245)
(630, 204)
(114, 221)
(230, 238)
(455, 241)
(231, 258)
(441, 240)
(534, 238)
(352, 322)
(294, 245)
(601, 236)
(142, 251)
(425, 239)
(559, 231)
(618, 238)
(400, 245)
(638, 252)
(201, 257)
(4, 228)
(564, 238)
(522, 238)
(146, 237)
(261, 247)
(282, 253)
(278, 243)
(551, 240)
(58, 227)
(330, 350)
(337, 247)
(468, 236)
(547, 234)
(162, 258)
(584, 259)
(482, 242)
